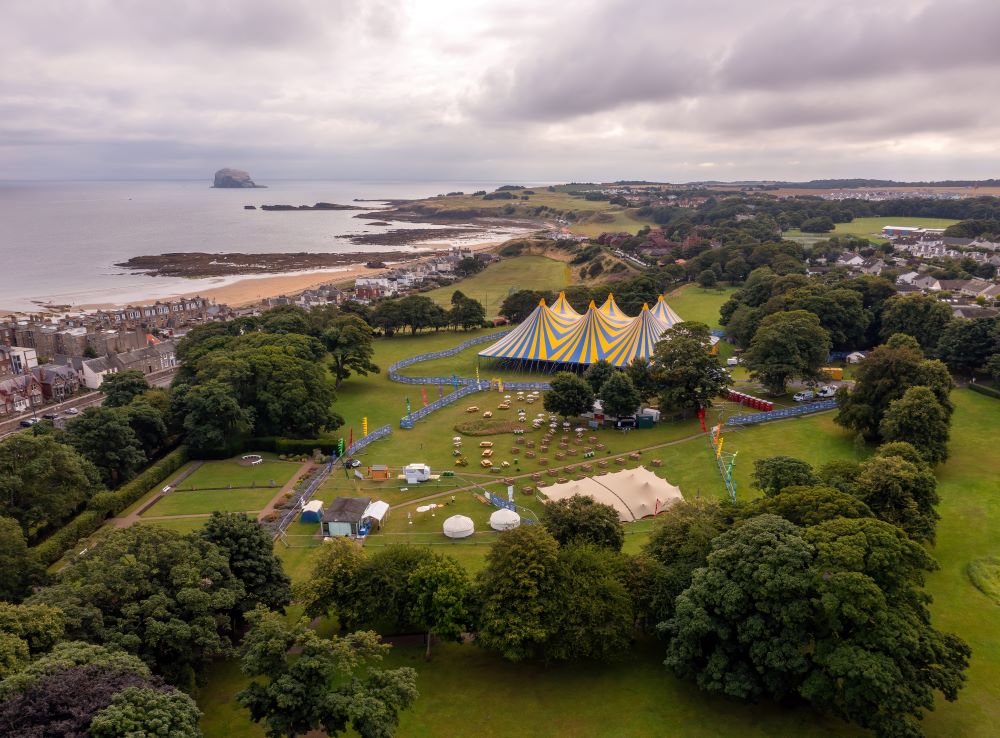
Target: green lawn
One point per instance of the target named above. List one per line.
(694, 303)
(871, 228)
(208, 501)
(231, 473)
(178, 525)
(498, 280)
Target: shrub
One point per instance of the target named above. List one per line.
(112, 503)
(983, 390)
(52, 548)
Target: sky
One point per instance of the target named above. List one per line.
(515, 90)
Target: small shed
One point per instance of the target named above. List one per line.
(344, 516)
(855, 357)
(312, 512)
(459, 526)
(376, 513)
(378, 471)
(416, 473)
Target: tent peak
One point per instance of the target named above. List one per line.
(542, 302)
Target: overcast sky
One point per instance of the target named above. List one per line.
(520, 90)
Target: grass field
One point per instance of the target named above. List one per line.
(485, 696)
(694, 303)
(230, 473)
(871, 228)
(212, 500)
(498, 280)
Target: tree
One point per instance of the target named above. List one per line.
(618, 395)
(441, 596)
(685, 373)
(351, 345)
(26, 630)
(519, 305)
(786, 346)
(840, 474)
(922, 316)
(139, 712)
(902, 493)
(742, 627)
(966, 345)
(164, 597)
(250, 551)
(148, 425)
(329, 590)
(774, 473)
(388, 316)
(469, 265)
(805, 506)
(517, 592)
(917, 418)
(213, 419)
(327, 684)
(286, 319)
(595, 610)
(42, 481)
(64, 702)
(568, 395)
(582, 520)
(18, 568)
(418, 311)
(993, 367)
(67, 655)
(707, 279)
(639, 370)
(121, 388)
(380, 587)
(597, 374)
(467, 313)
(104, 437)
(885, 375)
(821, 224)
(876, 659)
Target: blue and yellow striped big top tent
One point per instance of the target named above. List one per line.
(558, 334)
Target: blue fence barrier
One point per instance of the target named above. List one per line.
(373, 436)
(788, 412)
(303, 497)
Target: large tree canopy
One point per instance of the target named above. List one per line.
(792, 345)
(685, 374)
(579, 519)
(917, 418)
(568, 395)
(350, 343)
(121, 388)
(104, 437)
(922, 316)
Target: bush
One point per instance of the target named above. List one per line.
(983, 390)
(293, 446)
(112, 503)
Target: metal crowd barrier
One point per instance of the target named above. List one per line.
(788, 412)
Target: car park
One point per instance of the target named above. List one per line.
(804, 396)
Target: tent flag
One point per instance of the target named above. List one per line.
(718, 450)
(350, 442)
(423, 394)
(701, 419)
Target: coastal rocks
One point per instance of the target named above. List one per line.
(234, 179)
(200, 264)
(317, 206)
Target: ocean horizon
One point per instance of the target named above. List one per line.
(60, 240)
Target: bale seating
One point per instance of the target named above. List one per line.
(586, 467)
(543, 462)
(656, 462)
(634, 456)
(529, 454)
(620, 461)
(551, 472)
(536, 477)
(560, 455)
(603, 463)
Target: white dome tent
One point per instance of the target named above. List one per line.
(459, 526)
(504, 519)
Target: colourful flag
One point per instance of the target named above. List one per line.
(407, 405)
(718, 449)
(701, 419)
(440, 391)
(350, 438)
(423, 394)
(364, 426)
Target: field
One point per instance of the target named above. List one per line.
(871, 228)
(498, 280)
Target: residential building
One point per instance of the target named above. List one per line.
(58, 382)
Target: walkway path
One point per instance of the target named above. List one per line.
(306, 468)
(133, 517)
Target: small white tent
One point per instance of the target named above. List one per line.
(459, 526)
(377, 511)
(504, 519)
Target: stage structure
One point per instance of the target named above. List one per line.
(558, 337)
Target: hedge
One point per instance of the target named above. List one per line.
(103, 504)
(112, 503)
(295, 446)
(988, 391)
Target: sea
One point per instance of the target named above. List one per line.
(60, 241)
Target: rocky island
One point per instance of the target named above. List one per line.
(200, 264)
(317, 206)
(234, 179)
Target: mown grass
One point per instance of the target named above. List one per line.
(231, 473)
(985, 575)
(212, 500)
(871, 228)
(507, 276)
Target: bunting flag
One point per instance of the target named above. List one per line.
(701, 419)
(656, 509)
(716, 432)
(423, 394)
(718, 449)
(500, 384)
(440, 391)
(454, 378)
(364, 426)
(477, 377)
(350, 438)
(407, 405)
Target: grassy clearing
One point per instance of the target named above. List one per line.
(985, 575)
(871, 228)
(209, 501)
(178, 525)
(694, 303)
(498, 280)
(231, 473)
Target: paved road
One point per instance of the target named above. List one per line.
(80, 402)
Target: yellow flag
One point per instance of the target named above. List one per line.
(364, 426)
(718, 450)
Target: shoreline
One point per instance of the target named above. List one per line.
(244, 291)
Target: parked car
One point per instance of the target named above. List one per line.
(733, 361)
(826, 391)
(72, 411)
(804, 396)
(28, 422)
(50, 416)
(352, 463)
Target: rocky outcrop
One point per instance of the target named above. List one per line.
(233, 179)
